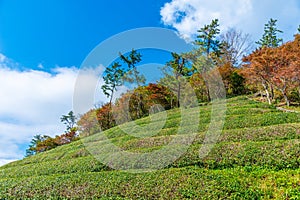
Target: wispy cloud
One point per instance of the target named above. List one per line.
(187, 16)
(2, 58)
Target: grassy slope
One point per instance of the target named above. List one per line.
(257, 156)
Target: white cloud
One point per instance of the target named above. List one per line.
(31, 103)
(26, 95)
(188, 16)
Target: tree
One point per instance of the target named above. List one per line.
(132, 75)
(178, 71)
(69, 120)
(270, 37)
(39, 144)
(125, 108)
(236, 44)
(88, 123)
(103, 115)
(43, 143)
(237, 83)
(157, 94)
(112, 79)
(203, 64)
(258, 68)
(275, 66)
(46, 144)
(208, 54)
(62, 139)
(198, 84)
(33, 145)
(286, 73)
(207, 39)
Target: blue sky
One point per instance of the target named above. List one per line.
(55, 32)
(43, 43)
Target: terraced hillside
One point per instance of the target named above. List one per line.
(257, 156)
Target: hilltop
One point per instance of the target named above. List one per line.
(256, 157)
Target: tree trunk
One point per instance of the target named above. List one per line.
(207, 84)
(283, 91)
(207, 93)
(267, 92)
(178, 94)
(110, 109)
(111, 97)
(286, 99)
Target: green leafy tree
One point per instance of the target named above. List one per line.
(112, 79)
(132, 75)
(69, 120)
(209, 52)
(207, 38)
(270, 37)
(173, 77)
(33, 145)
(237, 83)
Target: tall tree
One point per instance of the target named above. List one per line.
(209, 51)
(112, 78)
(207, 38)
(178, 71)
(132, 75)
(270, 37)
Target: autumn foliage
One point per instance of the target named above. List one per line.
(44, 143)
(88, 123)
(274, 69)
(152, 97)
